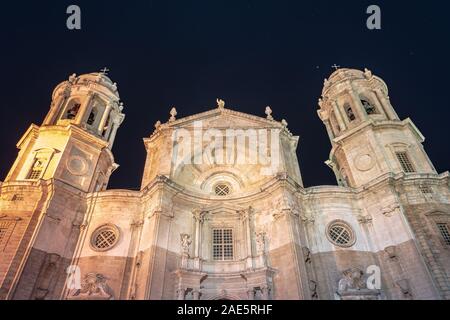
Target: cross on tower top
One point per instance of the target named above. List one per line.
(335, 66)
(104, 71)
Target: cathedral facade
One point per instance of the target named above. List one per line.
(222, 212)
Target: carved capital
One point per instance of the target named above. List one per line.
(365, 219)
(199, 214)
(390, 210)
(93, 287)
(137, 224)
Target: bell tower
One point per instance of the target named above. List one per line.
(74, 142)
(368, 139)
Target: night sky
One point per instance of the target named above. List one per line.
(249, 53)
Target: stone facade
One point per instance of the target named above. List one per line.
(244, 228)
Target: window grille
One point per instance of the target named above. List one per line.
(223, 244)
(443, 228)
(404, 161)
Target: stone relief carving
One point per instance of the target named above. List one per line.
(94, 286)
(260, 242)
(306, 254)
(364, 219)
(353, 280)
(307, 217)
(390, 210)
(352, 286)
(364, 162)
(285, 205)
(185, 243)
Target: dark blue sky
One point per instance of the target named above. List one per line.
(250, 53)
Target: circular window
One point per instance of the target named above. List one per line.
(222, 189)
(77, 166)
(340, 234)
(104, 237)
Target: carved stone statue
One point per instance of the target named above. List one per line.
(269, 113)
(220, 103)
(367, 73)
(93, 287)
(72, 78)
(185, 243)
(173, 114)
(157, 124)
(320, 102)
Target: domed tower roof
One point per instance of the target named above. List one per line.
(98, 81)
(346, 75)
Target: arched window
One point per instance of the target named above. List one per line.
(72, 109)
(37, 169)
(349, 112)
(368, 107)
(92, 116)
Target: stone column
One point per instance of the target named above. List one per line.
(338, 115)
(55, 109)
(104, 119)
(358, 106)
(199, 216)
(376, 102)
(84, 108)
(390, 112)
(245, 217)
(251, 294)
(329, 130)
(115, 127)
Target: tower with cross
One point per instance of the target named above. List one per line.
(358, 99)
